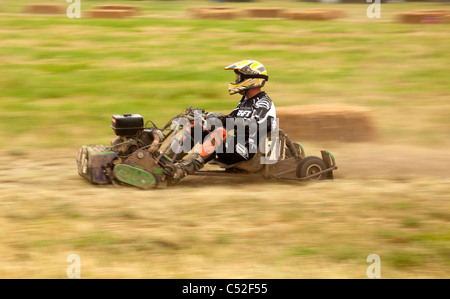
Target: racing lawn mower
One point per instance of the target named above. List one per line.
(139, 154)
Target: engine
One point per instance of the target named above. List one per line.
(133, 135)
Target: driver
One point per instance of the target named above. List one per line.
(255, 105)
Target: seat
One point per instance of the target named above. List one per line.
(274, 151)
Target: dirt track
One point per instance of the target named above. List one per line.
(209, 228)
(47, 173)
(36, 171)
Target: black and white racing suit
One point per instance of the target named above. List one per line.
(234, 137)
(258, 110)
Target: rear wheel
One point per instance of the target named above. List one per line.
(309, 166)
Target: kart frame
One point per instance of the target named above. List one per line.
(145, 167)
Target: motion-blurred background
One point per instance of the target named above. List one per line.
(374, 91)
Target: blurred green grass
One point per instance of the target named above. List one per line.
(61, 79)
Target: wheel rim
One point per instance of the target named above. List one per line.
(313, 169)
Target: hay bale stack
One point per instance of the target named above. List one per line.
(109, 13)
(113, 11)
(264, 12)
(438, 11)
(326, 122)
(446, 19)
(133, 9)
(409, 17)
(314, 14)
(425, 16)
(228, 14)
(214, 12)
(45, 8)
(199, 11)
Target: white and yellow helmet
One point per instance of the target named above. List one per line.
(250, 74)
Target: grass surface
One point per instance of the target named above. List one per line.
(64, 78)
(61, 80)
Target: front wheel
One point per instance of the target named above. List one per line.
(309, 166)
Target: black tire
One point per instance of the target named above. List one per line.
(310, 165)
